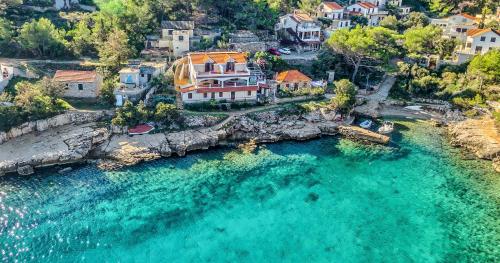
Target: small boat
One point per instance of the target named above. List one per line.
(414, 108)
(366, 124)
(141, 129)
(386, 128)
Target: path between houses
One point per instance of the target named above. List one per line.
(20, 61)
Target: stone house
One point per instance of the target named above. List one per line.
(174, 39)
(79, 83)
(293, 80)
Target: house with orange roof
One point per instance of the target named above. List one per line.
(300, 28)
(79, 83)
(368, 10)
(378, 3)
(220, 76)
(479, 41)
(456, 26)
(334, 12)
(293, 80)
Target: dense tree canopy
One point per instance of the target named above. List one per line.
(419, 41)
(6, 32)
(390, 22)
(364, 46)
(115, 50)
(345, 96)
(309, 5)
(485, 68)
(82, 43)
(42, 38)
(415, 19)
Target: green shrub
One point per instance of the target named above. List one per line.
(313, 91)
(468, 103)
(496, 117)
(471, 113)
(11, 117)
(166, 113)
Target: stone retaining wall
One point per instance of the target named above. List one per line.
(72, 117)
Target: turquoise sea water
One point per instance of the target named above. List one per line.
(327, 200)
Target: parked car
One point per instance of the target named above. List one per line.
(285, 50)
(274, 51)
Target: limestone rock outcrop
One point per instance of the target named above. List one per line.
(77, 143)
(478, 136)
(72, 117)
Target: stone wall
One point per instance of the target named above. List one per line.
(72, 117)
(253, 47)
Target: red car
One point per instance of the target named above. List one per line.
(274, 51)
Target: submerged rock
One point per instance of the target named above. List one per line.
(25, 170)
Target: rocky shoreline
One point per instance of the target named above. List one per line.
(87, 142)
(478, 136)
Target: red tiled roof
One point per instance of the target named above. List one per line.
(75, 76)
(468, 16)
(292, 76)
(217, 57)
(479, 31)
(333, 5)
(367, 5)
(302, 17)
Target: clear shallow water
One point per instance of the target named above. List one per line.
(328, 200)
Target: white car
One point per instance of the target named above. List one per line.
(285, 51)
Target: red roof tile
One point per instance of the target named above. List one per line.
(333, 5)
(479, 31)
(468, 16)
(367, 5)
(75, 76)
(301, 17)
(292, 76)
(217, 57)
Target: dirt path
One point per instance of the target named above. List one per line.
(372, 106)
(21, 61)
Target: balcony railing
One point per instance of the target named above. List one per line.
(225, 85)
(219, 72)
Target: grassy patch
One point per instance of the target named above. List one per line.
(496, 117)
(83, 104)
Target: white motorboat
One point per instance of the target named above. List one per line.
(386, 128)
(414, 108)
(366, 124)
